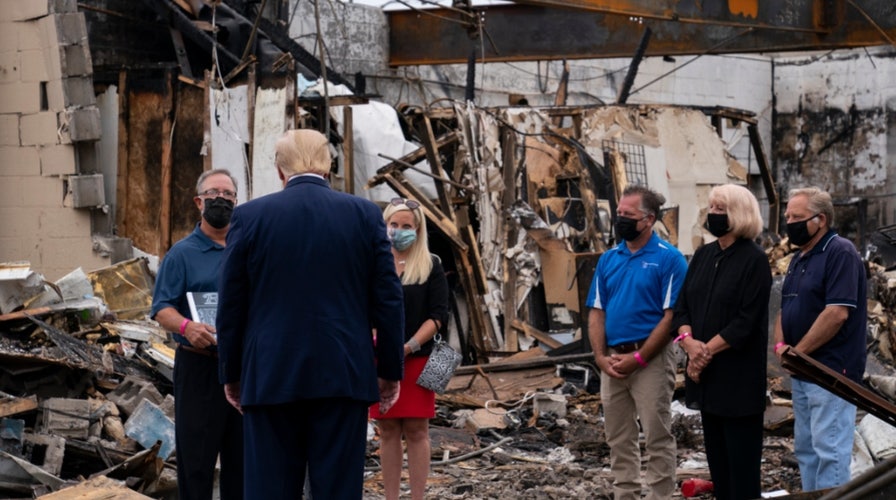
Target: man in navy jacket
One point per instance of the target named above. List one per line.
(307, 277)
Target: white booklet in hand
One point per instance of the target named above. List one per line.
(203, 306)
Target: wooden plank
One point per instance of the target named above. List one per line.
(410, 158)
(165, 187)
(251, 91)
(511, 232)
(531, 331)
(121, 188)
(13, 406)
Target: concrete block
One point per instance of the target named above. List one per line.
(87, 190)
(149, 424)
(58, 159)
(74, 60)
(71, 28)
(65, 223)
(78, 91)
(19, 10)
(39, 129)
(19, 97)
(10, 198)
(51, 448)
(35, 67)
(58, 254)
(61, 6)
(10, 69)
(55, 95)
(84, 124)
(43, 192)
(131, 391)
(64, 417)
(18, 161)
(29, 35)
(48, 35)
(9, 35)
(549, 403)
(9, 132)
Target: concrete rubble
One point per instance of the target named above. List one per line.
(86, 394)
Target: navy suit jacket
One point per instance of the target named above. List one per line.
(307, 275)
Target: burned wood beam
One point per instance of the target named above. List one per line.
(517, 33)
(280, 37)
(866, 399)
(172, 13)
(535, 333)
(409, 159)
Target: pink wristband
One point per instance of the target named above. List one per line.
(681, 337)
(183, 326)
(639, 359)
(778, 346)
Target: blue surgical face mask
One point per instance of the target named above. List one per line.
(402, 239)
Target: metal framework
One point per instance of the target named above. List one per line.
(589, 29)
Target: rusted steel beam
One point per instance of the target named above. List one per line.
(522, 32)
(798, 15)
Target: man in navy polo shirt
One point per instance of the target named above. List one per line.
(823, 314)
(632, 295)
(205, 423)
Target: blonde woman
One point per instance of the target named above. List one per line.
(425, 312)
(722, 325)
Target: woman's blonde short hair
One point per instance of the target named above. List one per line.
(744, 217)
(419, 261)
(302, 151)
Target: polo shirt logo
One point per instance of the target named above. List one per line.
(645, 265)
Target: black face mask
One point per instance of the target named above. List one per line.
(798, 232)
(217, 212)
(717, 224)
(627, 228)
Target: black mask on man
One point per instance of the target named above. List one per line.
(217, 212)
(717, 224)
(627, 228)
(798, 232)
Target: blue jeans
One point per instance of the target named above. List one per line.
(823, 433)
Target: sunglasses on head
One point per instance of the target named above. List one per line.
(413, 205)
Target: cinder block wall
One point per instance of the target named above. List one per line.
(47, 111)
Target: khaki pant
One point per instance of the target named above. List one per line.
(646, 393)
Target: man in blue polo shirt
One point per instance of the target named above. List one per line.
(206, 425)
(632, 296)
(823, 314)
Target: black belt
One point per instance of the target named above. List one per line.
(204, 352)
(628, 347)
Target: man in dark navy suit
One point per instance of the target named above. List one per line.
(307, 276)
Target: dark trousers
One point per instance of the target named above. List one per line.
(329, 436)
(734, 452)
(205, 426)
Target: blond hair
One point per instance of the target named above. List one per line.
(744, 217)
(302, 151)
(418, 265)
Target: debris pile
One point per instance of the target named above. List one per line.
(85, 401)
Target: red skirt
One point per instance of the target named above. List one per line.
(413, 401)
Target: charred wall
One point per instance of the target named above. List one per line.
(835, 127)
